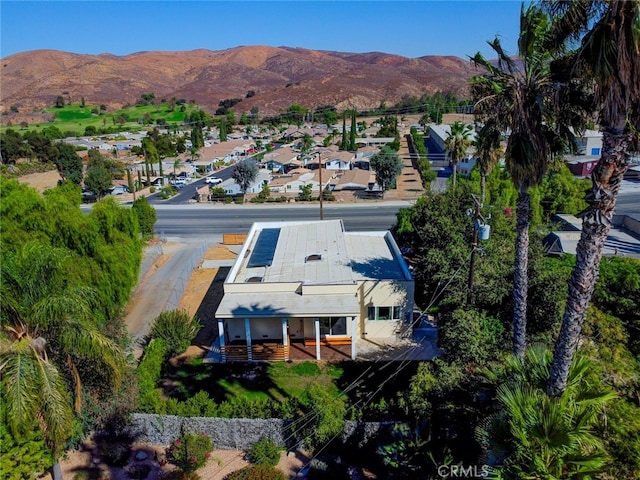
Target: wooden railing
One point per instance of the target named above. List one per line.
(268, 352)
(311, 342)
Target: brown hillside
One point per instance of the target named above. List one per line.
(280, 76)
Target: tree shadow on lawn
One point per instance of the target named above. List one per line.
(361, 379)
(221, 381)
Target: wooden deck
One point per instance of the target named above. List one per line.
(296, 352)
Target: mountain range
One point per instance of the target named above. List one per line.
(278, 76)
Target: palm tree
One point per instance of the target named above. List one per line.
(536, 436)
(609, 57)
(524, 101)
(457, 143)
(176, 164)
(48, 343)
(488, 151)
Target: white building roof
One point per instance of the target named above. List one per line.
(345, 257)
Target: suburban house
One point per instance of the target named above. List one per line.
(355, 179)
(281, 159)
(338, 161)
(312, 284)
(589, 143)
(623, 238)
(228, 152)
(293, 181)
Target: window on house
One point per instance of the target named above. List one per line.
(333, 326)
(384, 313)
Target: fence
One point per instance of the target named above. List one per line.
(183, 279)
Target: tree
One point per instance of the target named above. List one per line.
(457, 143)
(352, 132)
(526, 100)
(12, 146)
(41, 146)
(69, 163)
(388, 166)
(536, 436)
(223, 130)
(176, 328)
(244, 174)
(609, 57)
(130, 184)
(488, 151)
(343, 143)
(146, 216)
(306, 143)
(98, 180)
(49, 343)
(197, 139)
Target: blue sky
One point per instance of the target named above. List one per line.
(408, 28)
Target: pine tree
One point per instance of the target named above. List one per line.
(352, 133)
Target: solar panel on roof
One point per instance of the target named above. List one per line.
(265, 248)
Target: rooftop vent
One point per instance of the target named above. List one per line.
(254, 280)
(316, 257)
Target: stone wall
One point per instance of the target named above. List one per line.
(241, 433)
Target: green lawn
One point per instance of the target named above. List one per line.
(75, 118)
(255, 381)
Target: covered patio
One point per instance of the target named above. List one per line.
(309, 327)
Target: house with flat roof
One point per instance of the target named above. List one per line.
(311, 283)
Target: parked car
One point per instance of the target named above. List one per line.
(119, 190)
(179, 182)
(213, 180)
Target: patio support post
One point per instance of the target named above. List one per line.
(221, 339)
(247, 329)
(353, 338)
(317, 325)
(285, 338)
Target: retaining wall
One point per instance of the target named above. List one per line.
(240, 433)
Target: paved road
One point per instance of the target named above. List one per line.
(199, 220)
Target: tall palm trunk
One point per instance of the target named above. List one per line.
(596, 222)
(521, 280)
(454, 166)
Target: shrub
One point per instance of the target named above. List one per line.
(146, 216)
(115, 454)
(149, 372)
(190, 451)
(176, 328)
(257, 472)
(264, 452)
(152, 189)
(328, 421)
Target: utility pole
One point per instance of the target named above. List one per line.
(321, 189)
(477, 217)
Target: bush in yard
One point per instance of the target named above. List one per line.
(329, 414)
(191, 451)
(264, 452)
(176, 328)
(149, 371)
(257, 472)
